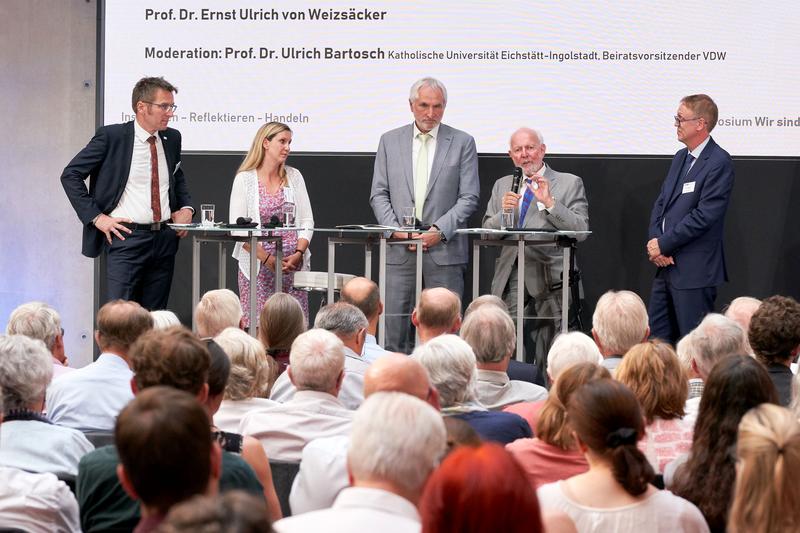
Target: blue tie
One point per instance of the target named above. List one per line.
(527, 198)
(687, 165)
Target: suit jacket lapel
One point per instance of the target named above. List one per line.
(128, 139)
(407, 156)
(673, 178)
(442, 146)
(533, 209)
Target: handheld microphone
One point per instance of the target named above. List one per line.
(517, 179)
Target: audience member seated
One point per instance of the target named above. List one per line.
(437, 313)
(349, 324)
(490, 332)
(35, 503)
(249, 448)
(517, 370)
(652, 371)
(741, 310)
(176, 358)
(281, 320)
(251, 376)
(397, 441)
(364, 294)
(554, 454)
(615, 494)
(232, 512)
(775, 338)
(163, 319)
(38, 320)
(459, 433)
(686, 354)
(735, 385)
(766, 491)
(28, 440)
(164, 452)
(90, 398)
(619, 323)
(323, 468)
(714, 339)
(316, 370)
(567, 349)
(450, 363)
(479, 490)
(217, 310)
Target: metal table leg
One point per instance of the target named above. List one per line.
(195, 277)
(565, 291)
(520, 297)
(382, 288)
(476, 265)
(254, 282)
(331, 267)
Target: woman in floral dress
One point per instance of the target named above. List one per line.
(262, 186)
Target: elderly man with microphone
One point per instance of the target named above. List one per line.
(541, 198)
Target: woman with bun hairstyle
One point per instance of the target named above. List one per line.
(615, 494)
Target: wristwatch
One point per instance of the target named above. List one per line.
(441, 233)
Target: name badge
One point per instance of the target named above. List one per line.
(688, 187)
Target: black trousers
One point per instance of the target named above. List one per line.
(140, 267)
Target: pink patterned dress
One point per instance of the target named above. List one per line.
(269, 205)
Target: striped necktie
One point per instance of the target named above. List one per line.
(527, 198)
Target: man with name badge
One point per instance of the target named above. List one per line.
(687, 224)
(136, 186)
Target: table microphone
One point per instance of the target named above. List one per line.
(517, 179)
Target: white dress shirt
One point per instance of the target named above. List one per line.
(322, 475)
(352, 392)
(36, 502)
(230, 412)
(36, 446)
(285, 428)
(59, 369)
(90, 398)
(372, 350)
(496, 391)
(135, 200)
(357, 510)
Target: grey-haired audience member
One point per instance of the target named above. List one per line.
(218, 309)
(28, 440)
(38, 320)
(397, 441)
(350, 325)
(490, 332)
(619, 323)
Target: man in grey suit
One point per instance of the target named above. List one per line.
(546, 199)
(434, 169)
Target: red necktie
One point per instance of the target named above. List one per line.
(155, 190)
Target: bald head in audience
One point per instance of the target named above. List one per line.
(400, 373)
(438, 313)
(741, 310)
(364, 294)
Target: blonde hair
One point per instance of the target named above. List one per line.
(766, 492)
(252, 371)
(255, 156)
(655, 375)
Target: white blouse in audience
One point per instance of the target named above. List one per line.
(231, 412)
(661, 512)
(36, 446)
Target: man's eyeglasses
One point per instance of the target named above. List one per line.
(164, 107)
(680, 120)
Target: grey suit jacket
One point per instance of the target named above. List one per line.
(543, 264)
(452, 194)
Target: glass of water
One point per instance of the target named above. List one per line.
(289, 212)
(207, 214)
(507, 218)
(409, 218)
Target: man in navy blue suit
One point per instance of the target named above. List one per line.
(136, 185)
(686, 225)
